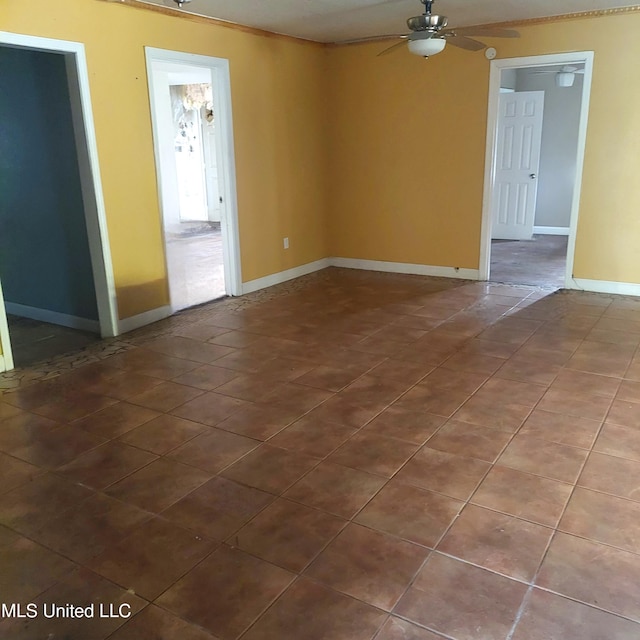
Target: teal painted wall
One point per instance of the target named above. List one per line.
(44, 251)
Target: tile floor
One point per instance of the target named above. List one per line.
(539, 262)
(346, 457)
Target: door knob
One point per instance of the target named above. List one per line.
(533, 176)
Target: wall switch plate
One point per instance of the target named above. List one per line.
(285, 241)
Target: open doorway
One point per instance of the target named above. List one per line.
(193, 147)
(57, 284)
(538, 110)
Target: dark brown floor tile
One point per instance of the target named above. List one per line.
(497, 542)
(399, 629)
(410, 426)
(539, 500)
(529, 369)
(474, 363)
(297, 397)
(151, 558)
(556, 427)
(589, 383)
(158, 485)
(625, 413)
(373, 453)
(165, 396)
(7, 537)
(336, 489)
(547, 616)
(14, 472)
(575, 403)
(368, 565)
(105, 465)
(603, 518)
(544, 458)
(612, 475)
(629, 391)
(207, 377)
(444, 472)
(218, 508)
(623, 442)
(287, 534)
(462, 601)
(285, 369)
(57, 446)
(312, 437)
(236, 339)
(449, 380)
(469, 440)
(179, 347)
(213, 450)
(338, 410)
(226, 592)
(486, 411)
(28, 569)
(81, 588)
(329, 378)
(250, 387)
(116, 420)
(270, 469)
(23, 429)
(373, 391)
(124, 385)
(162, 434)
(411, 513)
(153, 623)
(86, 530)
(431, 399)
(313, 612)
(30, 506)
(409, 372)
(210, 408)
(8, 410)
(522, 393)
(74, 407)
(259, 421)
(592, 573)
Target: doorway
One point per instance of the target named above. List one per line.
(530, 214)
(191, 114)
(57, 288)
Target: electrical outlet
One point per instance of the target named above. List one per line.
(285, 241)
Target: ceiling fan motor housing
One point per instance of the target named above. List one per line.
(427, 22)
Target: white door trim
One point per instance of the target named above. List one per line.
(221, 81)
(93, 200)
(497, 66)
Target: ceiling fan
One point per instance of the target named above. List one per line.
(565, 76)
(429, 36)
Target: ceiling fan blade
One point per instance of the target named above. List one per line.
(487, 32)
(465, 43)
(393, 47)
(370, 39)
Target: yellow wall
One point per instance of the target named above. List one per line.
(408, 141)
(345, 153)
(278, 109)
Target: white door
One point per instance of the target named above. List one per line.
(517, 164)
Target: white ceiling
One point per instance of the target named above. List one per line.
(339, 20)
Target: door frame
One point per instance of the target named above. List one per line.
(90, 180)
(221, 85)
(497, 66)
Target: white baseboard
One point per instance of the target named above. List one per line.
(405, 267)
(551, 231)
(53, 317)
(604, 286)
(283, 276)
(143, 319)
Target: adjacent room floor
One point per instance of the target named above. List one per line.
(540, 261)
(195, 263)
(347, 456)
(33, 341)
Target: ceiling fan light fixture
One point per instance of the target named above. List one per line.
(427, 47)
(181, 2)
(565, 79)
